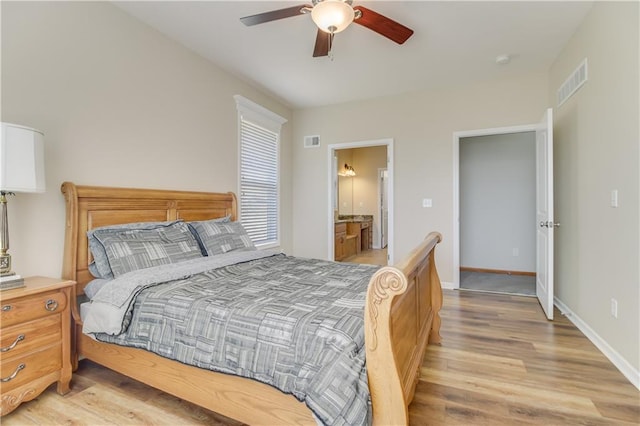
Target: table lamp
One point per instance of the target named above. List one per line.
(21, 170)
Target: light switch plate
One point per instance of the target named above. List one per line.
(427, 202)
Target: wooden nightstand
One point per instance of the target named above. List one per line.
(35, 323)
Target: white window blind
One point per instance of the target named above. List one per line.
(259, 183)
(259, 172)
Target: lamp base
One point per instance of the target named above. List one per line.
(5, 264)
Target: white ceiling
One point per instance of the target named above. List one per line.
(454, 43)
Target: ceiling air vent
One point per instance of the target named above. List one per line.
(311, 141)
(573, 83)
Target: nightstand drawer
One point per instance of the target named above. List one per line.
(32, 307)
(19, 370)
(23, 338)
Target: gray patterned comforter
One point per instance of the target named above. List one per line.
(296, 324)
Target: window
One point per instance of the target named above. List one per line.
(259, 177)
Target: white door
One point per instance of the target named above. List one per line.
(384, 208)
(544, 213)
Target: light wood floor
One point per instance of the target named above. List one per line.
(500, 363)
(371, 257)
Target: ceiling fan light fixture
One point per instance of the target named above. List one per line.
(332, 16)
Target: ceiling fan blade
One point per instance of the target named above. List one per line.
(383, 25)
(322, 44)
(274, 15)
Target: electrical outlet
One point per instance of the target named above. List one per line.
(515, 252)
(614, 308)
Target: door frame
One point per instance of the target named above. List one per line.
(380, 189)
(331, 149)
(456, 183)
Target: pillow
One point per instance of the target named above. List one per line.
(133, 249)
(94, 269)
(94, 286)
(100, 267)
(225, 219)
(221, 237)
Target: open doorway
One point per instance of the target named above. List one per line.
(544, 223)
(361, 211)
(496, 205)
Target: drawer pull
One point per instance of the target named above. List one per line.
(51, 305)
(13, 376)
(6, 308)
(13, 345)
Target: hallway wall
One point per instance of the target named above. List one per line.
(498, 202)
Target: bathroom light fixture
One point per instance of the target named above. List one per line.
(348, 171)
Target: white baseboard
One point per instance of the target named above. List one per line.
(621, 364)
(447, 285)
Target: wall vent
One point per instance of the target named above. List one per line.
(573, 83)
(311, 141)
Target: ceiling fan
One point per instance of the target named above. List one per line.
(333, 16)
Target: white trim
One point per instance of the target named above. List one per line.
(616, 359)
(447, 285)
(456, 184)
(259, 114)
(378, 230)
(330, 219)
(19, 126)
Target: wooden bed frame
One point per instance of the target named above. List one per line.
(401, 315)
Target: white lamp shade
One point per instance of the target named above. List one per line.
(332, 16)
(21, 159)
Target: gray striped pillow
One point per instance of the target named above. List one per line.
(100, 267)
(219, 237)
(133, 249)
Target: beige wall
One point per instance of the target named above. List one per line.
(498, 202)
(367, 161)
(596, 151)
(345, 183)
(421, 125)
(120, 105)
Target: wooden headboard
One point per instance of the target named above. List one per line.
(90, 207)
